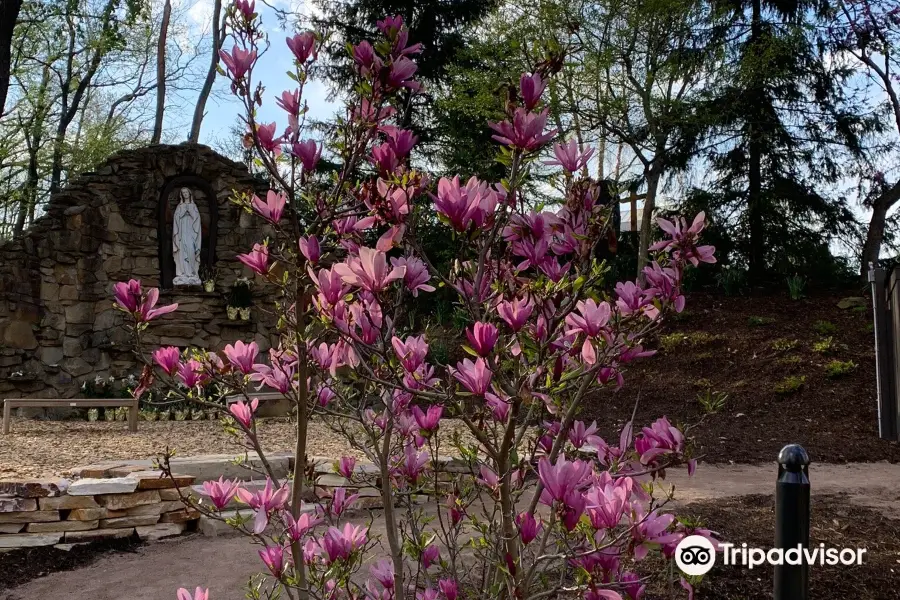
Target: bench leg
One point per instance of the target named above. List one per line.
(7, 414)
(133, 416)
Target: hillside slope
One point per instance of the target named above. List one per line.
(762, 353)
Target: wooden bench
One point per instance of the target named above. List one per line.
(131, 403)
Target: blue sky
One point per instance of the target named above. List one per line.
(223, 108)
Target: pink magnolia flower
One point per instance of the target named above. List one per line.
(400, 75)
(345, 466)
(632, 585)
(692, 467)
(330, 285)
(238, 62)
(297, 528)
(633, 300)
(339, 544)
(688, 588)
(664, 282)
(529, 527)
(191, 373)
(369, 271)
(427, 594)
(454, 509)
(199, 594)
(526, 132)
(303, 46)
(246, 8)
(383, 572)
(384, 159)
(531, 88)
(131, 298)
(413, 463)
(516, 312)
(683, 240)
(273, 556)
(482, 337)
(561, 480)
(263, 502)
(601, 594)
(657, 440)
(580, 435)
(411, 352)
(243, 413)
(488, 478)
(417, 276)
(272, 209)
(221, 492)
(475, 377)
(464, 205)
(365, 58)
(569, 157)
(591, 318)
(430, 555)
(499, 407)
(257, 260)
(340, 502)
(168, 359)
(242, 356)
(309, 154)
(309, 247)
(449, 588)
(402, 141)
(267, 140)
(650, 530)
(428, 420)
(606, 503)
(325, 395)
(289, 102)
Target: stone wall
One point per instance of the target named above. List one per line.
(57, 324)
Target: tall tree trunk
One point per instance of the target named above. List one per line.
(161, 74)
(754, 168)
(9, 13)
(218, 38)
(875, 234)
(33, 141)
(653, 175)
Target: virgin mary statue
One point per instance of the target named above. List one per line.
(186, 241)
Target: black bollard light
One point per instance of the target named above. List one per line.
(792, 521)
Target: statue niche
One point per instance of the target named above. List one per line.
(188, 216)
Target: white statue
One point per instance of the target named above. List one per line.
(186, 241)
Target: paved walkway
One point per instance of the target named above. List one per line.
(225, 564)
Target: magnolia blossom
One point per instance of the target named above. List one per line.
(131, 298)
(475, 377)
(199, 594)
(221, 492)
(242, 356)
(525, 132)
(369, 271)
(309, 248)
(659, 439)
(243, 413)
(428, 421)
(529, 527)
(339, 544)
(257, 260)
(340, 502)
(264, 501)
(238, 62)
(303, 46)
(430, 555)
(570, 157)
(309, 154)
(531, 88)
(449, 588)
(482, 337)
(273, 557)
(168, 359)
(265, 134)
(515, 312)
(272, 209)
(417, 276)
(683, 240)
(297, 528)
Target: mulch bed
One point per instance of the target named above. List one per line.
(835, 522)
(729, 349)
(21, 566)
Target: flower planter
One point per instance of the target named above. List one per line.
(245, 314)
(232, 313)
(209, 286)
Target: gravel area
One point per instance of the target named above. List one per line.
(36, 448)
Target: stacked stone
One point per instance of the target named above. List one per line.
(61, 513)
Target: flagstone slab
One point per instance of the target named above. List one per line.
(92, 487)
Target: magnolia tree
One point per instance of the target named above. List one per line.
(552, 510)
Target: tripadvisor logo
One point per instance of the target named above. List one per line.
(695, 555)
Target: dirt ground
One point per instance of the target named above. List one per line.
(745, 347)
(50, 448)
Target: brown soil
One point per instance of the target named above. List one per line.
(727, 349)
(835, 523)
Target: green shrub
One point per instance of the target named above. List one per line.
(759, 321)
(825, 327)
(839, 368)
(712, 402)
(670, 341)
(826, 346)
(796, 287)
(732, 280)
(784, 345)
(790, 385)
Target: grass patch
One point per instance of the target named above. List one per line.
(712, 402)
(790, 385)
(839, 368)
(784, 345)
(825, 327)
(791, 361)
(826, 346)
(755, 321)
